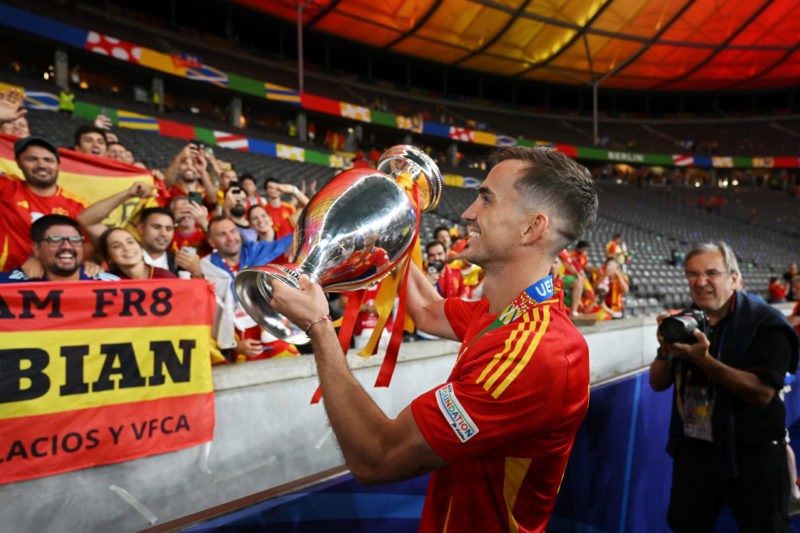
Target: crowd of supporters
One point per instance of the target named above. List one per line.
(195, 218)
(200, 218)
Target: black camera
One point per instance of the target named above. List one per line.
(435, 266)
(680, 327)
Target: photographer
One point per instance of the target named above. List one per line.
(448, 281)
(727, 357)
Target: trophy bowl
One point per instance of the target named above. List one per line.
(352, 233)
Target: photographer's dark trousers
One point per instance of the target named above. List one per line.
(758, 498)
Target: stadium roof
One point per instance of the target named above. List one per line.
(690, 45)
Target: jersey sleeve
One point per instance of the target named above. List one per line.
(459, 313)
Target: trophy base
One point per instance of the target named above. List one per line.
(254, 289)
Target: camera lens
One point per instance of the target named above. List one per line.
(678, 329)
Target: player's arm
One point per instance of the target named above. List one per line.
(425, 305)
(376, 448)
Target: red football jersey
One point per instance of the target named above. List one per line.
(506, 419)
(280, 219)
(20, 207)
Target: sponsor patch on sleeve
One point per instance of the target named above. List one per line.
(456, 416)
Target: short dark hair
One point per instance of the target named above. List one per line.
(42, 224)
(432, 244)
(216, 220)
(87, 128)
(256, 206)
(233, 185)
(247, 176)
(554, 180)
(441, 228)
(150, 211)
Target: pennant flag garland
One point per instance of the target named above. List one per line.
(183, 60)
(41, 100)
(135, 121)
(460, 134)
(355, 112)
(683, 160)
(472, 183)
(294, 153)
(207, 74)
(113, 47)
(279, 93)
(505, 140)
(229, 140)
(169, 128)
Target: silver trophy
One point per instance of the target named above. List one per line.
(354, 231)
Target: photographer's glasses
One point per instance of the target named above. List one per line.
(56, 240)
(708, 274)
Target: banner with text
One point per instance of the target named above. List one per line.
(94, 373)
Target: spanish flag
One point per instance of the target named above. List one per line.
(91, 177)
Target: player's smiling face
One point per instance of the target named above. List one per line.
(494, 217)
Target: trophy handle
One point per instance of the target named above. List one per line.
(406, 159)
(254, 288)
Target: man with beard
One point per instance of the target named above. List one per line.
(58, 245)
(187, 175)
(234, 207)
(24, 201)
(497, 434)
(230, 256)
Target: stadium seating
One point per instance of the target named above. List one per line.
(656, 222)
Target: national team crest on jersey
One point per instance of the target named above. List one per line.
(455, 414)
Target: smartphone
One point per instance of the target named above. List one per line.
(196, 198)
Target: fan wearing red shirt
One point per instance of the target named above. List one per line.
(24, 201)
(282, 213)
(497, 433)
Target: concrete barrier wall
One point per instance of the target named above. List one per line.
(266, 434)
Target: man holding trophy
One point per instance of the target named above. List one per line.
(497, 434)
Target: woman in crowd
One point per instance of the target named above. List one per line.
(123, 253)
(261, 222)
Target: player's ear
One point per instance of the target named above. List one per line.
(534, 226)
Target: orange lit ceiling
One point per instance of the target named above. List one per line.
(634, 44)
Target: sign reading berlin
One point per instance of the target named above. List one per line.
(94, 373)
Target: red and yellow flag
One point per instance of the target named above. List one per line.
(91, 177)
(94, 373)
